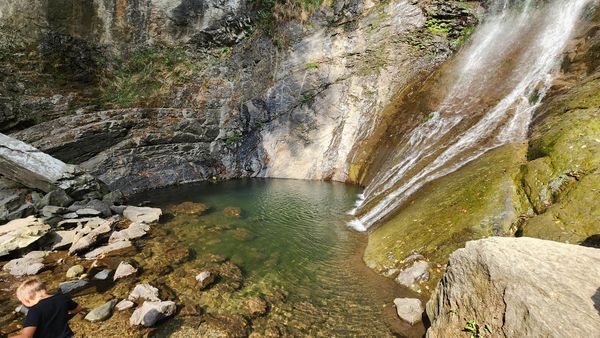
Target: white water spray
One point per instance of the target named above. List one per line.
(510, 61)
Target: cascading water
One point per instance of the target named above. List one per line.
(496, 84)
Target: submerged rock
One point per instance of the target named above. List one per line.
(205, 279)
(102, 275)
(232, 212)
(188, 208)
(21, 233)
(151, 312)
(256, 306)
(102, 312)
(71, 286)
(145, 292)
(75, 271)
(419, 271)
(519, 287)
(142, 214)
(124, 270)
(124, 305)
(409, 309)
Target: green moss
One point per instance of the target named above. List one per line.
(476, 201)
(311, 65)
(438, 26)
(561, 181)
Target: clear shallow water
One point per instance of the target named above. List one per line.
(292, 237)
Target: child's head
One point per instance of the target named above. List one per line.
(31, 291)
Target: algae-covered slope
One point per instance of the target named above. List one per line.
(562, 181)
(476, 201)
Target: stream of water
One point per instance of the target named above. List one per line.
(494, 85)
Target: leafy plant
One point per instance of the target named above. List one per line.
(233, 139)
(311, 65)
(438, 26)
(475, 329)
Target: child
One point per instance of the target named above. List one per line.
(48, 315)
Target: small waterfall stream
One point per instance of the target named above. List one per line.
(496, 82)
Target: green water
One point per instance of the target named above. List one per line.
(293, 237)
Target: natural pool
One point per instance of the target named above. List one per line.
(290, 246)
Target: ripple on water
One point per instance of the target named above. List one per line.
(292, 237)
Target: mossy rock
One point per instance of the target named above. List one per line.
(478, 200)
(562, 179)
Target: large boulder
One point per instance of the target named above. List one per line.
(21, 233)
(518, 287)
(102, 312)
(30, 167)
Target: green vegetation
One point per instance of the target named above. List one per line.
(475, 329)
(147, 76)
(438, 26)
(273, 12)
(464, 36)
(311, 65)
(233, 139)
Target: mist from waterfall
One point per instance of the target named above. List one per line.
(496, 83)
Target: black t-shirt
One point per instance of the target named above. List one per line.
(50, 316)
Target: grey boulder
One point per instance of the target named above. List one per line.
(102, 312)
(519, 287)
(417, 272)
(409, 309)
(144, 291)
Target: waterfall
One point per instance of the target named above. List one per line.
(497, 81)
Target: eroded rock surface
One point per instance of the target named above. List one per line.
(519, 287)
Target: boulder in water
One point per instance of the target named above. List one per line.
(102, 312)
(188, 208)
(124, 305)
(124, 269)
(151, 312)
(135, 230)
(409, 309)
(256, 306)
(75, 271)
(519, 287)
(144, 291)
(205, 278)
(108, 249)
(233, 212)
(71, 286)
(417, 272)
(142, 214)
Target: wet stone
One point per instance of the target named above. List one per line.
(102, 312)
(419, 271)
(205, 279)
(256, 306)
(188, 208)
(124, 269)
(72, 286)
(151, 312)
(144, 291)
(409, 309)
(102, 275)
(233, 212)
(124, 305)
(75, 271)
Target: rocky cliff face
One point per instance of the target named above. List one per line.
(288, 101)
(518, 287)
